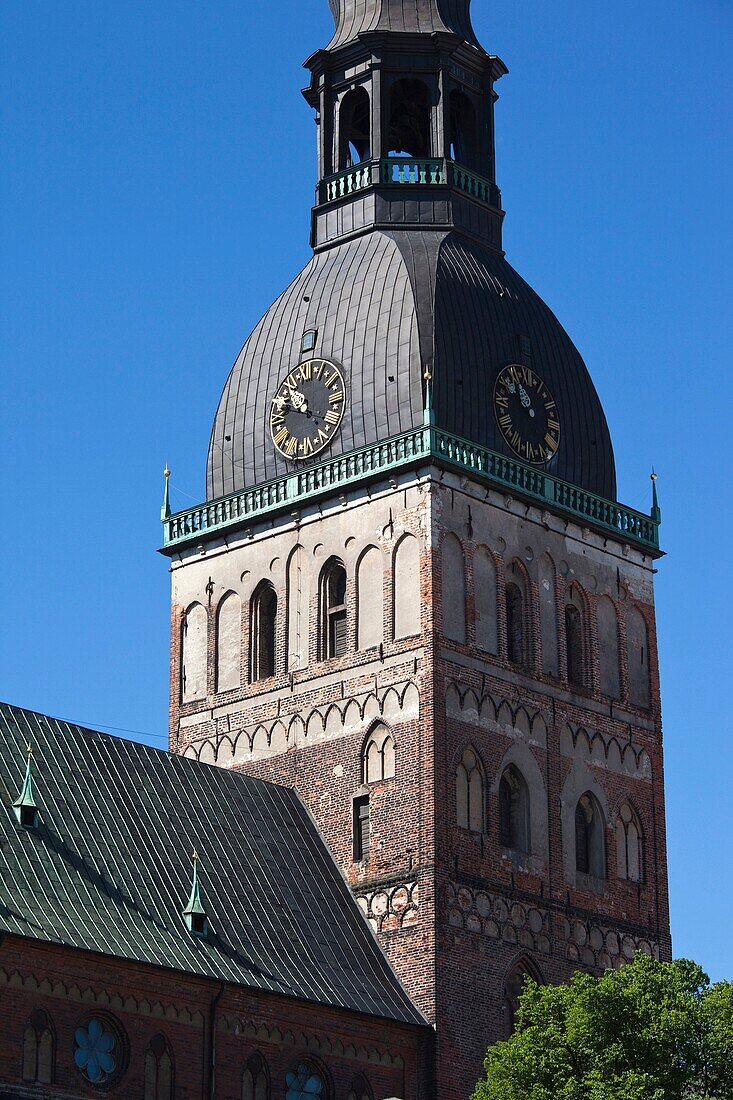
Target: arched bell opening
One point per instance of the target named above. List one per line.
(409, 119)
(354, 126)
(463, 146)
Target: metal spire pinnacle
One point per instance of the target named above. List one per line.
(656, 510)
(165, 511)
(25, 806)
(194, 914)
(428, 414)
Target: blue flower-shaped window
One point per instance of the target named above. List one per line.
(303, 1083)
(95, 1051)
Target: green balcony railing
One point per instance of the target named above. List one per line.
(476, 186)
(411, 170)
(346, 182)
(409, 449)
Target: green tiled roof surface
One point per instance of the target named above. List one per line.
(109, 869)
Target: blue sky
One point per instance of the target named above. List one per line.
(158, 169)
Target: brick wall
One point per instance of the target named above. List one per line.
(141, 1003)
(454, 911)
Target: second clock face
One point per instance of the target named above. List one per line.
(526, 414)
(307, 409)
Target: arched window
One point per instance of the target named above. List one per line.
(629, 863)
(228, 643)
(409, 119)
(39, 1049)
(379, 755)
(334, 619)
(470, 792)
(514, 811)
(516, 641)
(462, 129)
(360, 1089)
(256, 1079)
(305, 1081)
(354, 128)
(574, 645)
(194, 633)
(513, 987)
(263, 619)
(158, 1070)
(590, 841)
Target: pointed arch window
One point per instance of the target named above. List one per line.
(334, 612)
(256, 1079)
(513, 988)
(379, 755)
(263, 621)
(629, 862)
(470, 792)
(158, 1070)
(360, 1089)
(514, 811)
(516, 641)
(590, 845)
(39, 1049)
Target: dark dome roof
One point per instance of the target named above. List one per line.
(388, 306)
(352, 17)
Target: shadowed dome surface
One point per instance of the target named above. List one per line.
(387, 307)
(352, 17)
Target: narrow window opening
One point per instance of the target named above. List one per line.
(354, 129)
(334, 641)
(514, 811)
(361, 828)
(574, 645)
(590, 844)
(263, 632)
(516, 650)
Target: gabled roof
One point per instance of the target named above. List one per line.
(109, 869)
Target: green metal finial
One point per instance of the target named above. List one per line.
(194, 914)
(656, 510)
(25, 806)
(428, 414)
(165, 511)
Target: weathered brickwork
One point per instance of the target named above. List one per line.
(209, 1030)
(458, 912)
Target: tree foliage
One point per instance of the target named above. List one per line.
(649, 1031)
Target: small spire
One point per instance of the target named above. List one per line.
(25, 806)
(428, 415)
(165, 511)
(194, 914)
(656, 510)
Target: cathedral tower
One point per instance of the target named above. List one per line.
(411, 593)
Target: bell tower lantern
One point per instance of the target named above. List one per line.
(404, 97)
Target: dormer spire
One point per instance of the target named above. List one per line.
(25, 805)
(194, 914)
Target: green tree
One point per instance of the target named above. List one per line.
(649, 1031)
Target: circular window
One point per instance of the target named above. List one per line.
(98, 1051)
(304, 1083)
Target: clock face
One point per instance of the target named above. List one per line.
(526, 414)
(307, 409)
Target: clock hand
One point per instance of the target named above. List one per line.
(524, 396)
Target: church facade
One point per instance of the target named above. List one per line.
(411, 593)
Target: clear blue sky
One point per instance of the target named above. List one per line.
(158, 168)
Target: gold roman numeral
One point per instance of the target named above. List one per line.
(280, 437)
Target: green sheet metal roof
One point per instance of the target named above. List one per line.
(109, 869)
